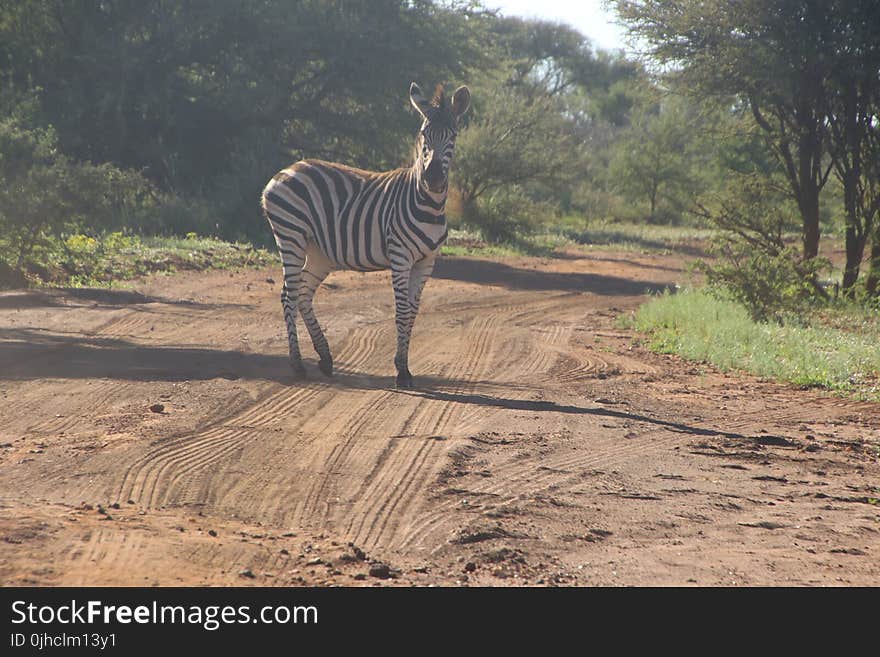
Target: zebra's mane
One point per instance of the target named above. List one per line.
(441, 108)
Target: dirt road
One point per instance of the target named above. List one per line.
(540, 447)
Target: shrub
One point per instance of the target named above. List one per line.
(504, 216)
(756, 265)
(46, 197)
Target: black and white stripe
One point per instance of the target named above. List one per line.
(327, 216)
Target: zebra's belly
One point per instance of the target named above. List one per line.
(357, 253)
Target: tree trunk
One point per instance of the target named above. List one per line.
(804, 167)
(809, 151)
(855, 250)
(849, 166)
(809, 206)
(856, 235)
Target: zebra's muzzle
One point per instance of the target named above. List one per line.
(434, 177)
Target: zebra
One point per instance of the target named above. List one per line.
(327, 216)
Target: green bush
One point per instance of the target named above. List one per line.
(45, 198)
(773, 287)
(176, 215)
(504, 216)
(755, 264)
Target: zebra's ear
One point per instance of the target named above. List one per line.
(418, 100)
(461, 101)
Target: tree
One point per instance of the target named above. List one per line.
(513, 146)
(43, 194)
(651, 161)
(772, 56)
(512, 140)
(853, 126)
(754, 264)
(210, 97)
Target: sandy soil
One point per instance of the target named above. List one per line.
(542, 445)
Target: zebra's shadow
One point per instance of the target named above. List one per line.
(32, 354)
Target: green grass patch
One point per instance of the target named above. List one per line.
(700, 327)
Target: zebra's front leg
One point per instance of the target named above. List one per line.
(407, 294)
(403, 318)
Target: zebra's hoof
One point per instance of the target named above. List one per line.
(326, 366)
(404, 380)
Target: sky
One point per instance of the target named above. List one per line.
(588, 16)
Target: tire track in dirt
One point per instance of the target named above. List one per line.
(402, 462)
(535, 475)
(323, 439)
(180, 471)
(353, 452)
(515, 358)
(387, 506)
(111, 550)
(188, 455)
(127, 323)
(191, 462)
(352, 459)
(98, 394)
(537, 353)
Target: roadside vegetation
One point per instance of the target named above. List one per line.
(83, 261)
(799, 156)
(839, 353)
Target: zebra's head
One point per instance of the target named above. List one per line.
(436, 141)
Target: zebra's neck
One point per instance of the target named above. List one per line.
(425, 205)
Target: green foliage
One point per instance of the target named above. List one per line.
(701, 327)
(512, 161)
(44, 195)
(209, 98)
(84, 260)
(754, 263)
(807, 72)
(513, 139)
(134, 119)
(505, 216)
(654, 162)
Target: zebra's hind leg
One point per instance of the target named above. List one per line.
(293, 261)
(313, 274)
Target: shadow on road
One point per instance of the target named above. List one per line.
(484, 272)
(86, 296)
(553, 407)
(31, 354)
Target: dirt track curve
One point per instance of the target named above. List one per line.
(541, 446)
